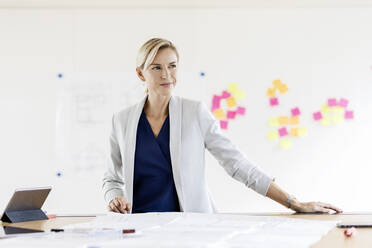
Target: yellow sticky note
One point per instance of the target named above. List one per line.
(270, 92)
(239, 94)
(325, 109)
(219, 114)
(302, 131)
(285, 143)
(232, 87)
(272, 135)
(283, 120)
(338, 110)
(338, 118)
(277, 83)
(294, 120)
(326, 121)
(283, 88)
(293, 132)
(273, 122)
(231, 102)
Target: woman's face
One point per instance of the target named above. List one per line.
(161, 75)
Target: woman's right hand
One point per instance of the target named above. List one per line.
(119, 205)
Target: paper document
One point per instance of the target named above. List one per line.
(189, 230)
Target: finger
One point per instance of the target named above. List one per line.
(115, 208)
(127, 206)
(121, 205)
(326, 205)
(320, 209)
(117, 202)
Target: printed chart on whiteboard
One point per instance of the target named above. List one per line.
(86, 103)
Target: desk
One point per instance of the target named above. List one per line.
(335, 238)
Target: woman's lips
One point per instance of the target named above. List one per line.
(166, 84)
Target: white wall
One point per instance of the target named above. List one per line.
(319, 53)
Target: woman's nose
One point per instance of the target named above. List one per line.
(164, 73)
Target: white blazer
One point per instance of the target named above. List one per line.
(192, 129)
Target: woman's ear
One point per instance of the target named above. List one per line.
(140, 74)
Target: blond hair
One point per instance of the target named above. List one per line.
(150, 48)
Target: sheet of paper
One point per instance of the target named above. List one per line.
(188, 230)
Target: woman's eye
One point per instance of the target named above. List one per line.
(156, 68)
(173, 66)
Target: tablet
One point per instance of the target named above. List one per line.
(25, 205)
(11, 231)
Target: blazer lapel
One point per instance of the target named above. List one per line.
(175, 123)
(131, 136)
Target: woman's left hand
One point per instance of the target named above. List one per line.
(315, 207)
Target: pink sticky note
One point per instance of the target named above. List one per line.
(343, 103)
(223, 124)
(349, 114)
(295, 111)
(274, 101)
(317, 116)
(332, 102)
(225, 94)
(240, 110)
(231, 114)
(283, 131)
(216, 102)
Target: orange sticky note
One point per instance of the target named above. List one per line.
(294, 120)
(219, 114)
(270, 92)
(231, 102)
(283, 88)
(283, 120)
(277, 83)
(293, 132)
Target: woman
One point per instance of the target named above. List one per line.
(157, 148)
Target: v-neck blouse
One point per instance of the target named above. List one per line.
(153, 186)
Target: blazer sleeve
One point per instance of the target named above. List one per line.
(113, 178)
(229, 157)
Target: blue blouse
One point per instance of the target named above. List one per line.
(153, 186)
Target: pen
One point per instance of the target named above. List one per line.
(94, 231)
